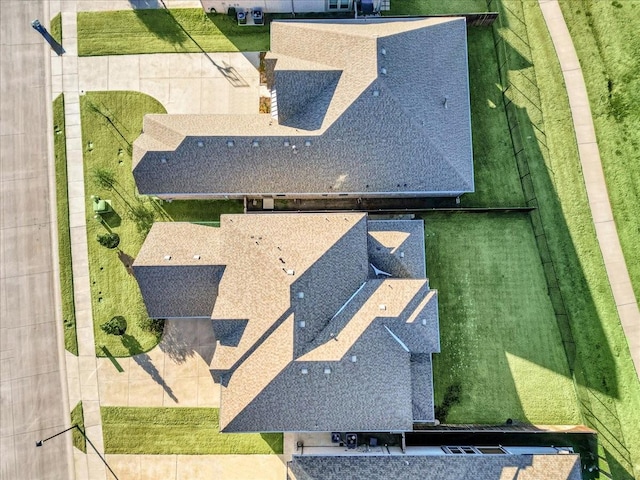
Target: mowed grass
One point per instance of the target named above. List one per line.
(178, 431)
(500, 342)
(432, 7)
(110, 123)
(64, 234)
(497, 182)
(77, 418)
(606, 382)
(55, 28)
(165, 31)
(605, 35)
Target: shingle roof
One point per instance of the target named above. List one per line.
(435, 467)
(294, 292)
(400, 132)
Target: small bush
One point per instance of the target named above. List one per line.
(152, 325)
(109, 240)
(451, 398)
(116, 326)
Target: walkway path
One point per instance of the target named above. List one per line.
(594, 177)
(176, 373)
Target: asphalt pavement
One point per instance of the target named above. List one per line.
(33, 393)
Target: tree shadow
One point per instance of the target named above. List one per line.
(160, 22)
(111, 219)
(127, 261)
(144, 360)
(147, 365)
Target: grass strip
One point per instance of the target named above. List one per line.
(64, 234)
(178, 431)
(55, 28)
(77, 418)
(184, 30)
(433, 7)
(605, 35)
(605, 379)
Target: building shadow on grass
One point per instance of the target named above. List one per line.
(581, 322)
(147, 365)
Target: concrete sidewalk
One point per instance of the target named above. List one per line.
(594, 178)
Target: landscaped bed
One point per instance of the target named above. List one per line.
(178, 431)
(165, 31)
(110, 123)
(64, 234)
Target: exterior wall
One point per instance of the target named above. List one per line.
(268, 6)
(240, 196)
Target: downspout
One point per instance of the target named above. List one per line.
(293, 10)
(404, 444)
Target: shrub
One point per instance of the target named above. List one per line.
(116, 326)
(109, 240)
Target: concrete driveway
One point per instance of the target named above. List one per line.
(174, 374)
(204, 83)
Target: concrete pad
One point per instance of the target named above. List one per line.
(97, 469)
(91, 412)
(145, 393)
(156, 88)
(144, 467)
(208, 393)
(85, 340)
(124, 73)
(181, 392)
(214, 96)
(80, 465)
(236, 467)
(114, 393)
(89, 391)
(184, 96)
(186, 368)
(74, 131)
(93, 73)
(70, 82)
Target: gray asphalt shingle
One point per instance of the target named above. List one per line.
(357, 129)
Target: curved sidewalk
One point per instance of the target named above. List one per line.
(594, 177)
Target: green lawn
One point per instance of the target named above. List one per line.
(64, 235)
(606, 383)
(111, 121)
(605, 35)
(55, 28)
(431, 7)
(77, 418)
(161, 31)
(497, 182)
(499, 337)
(178, 431)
